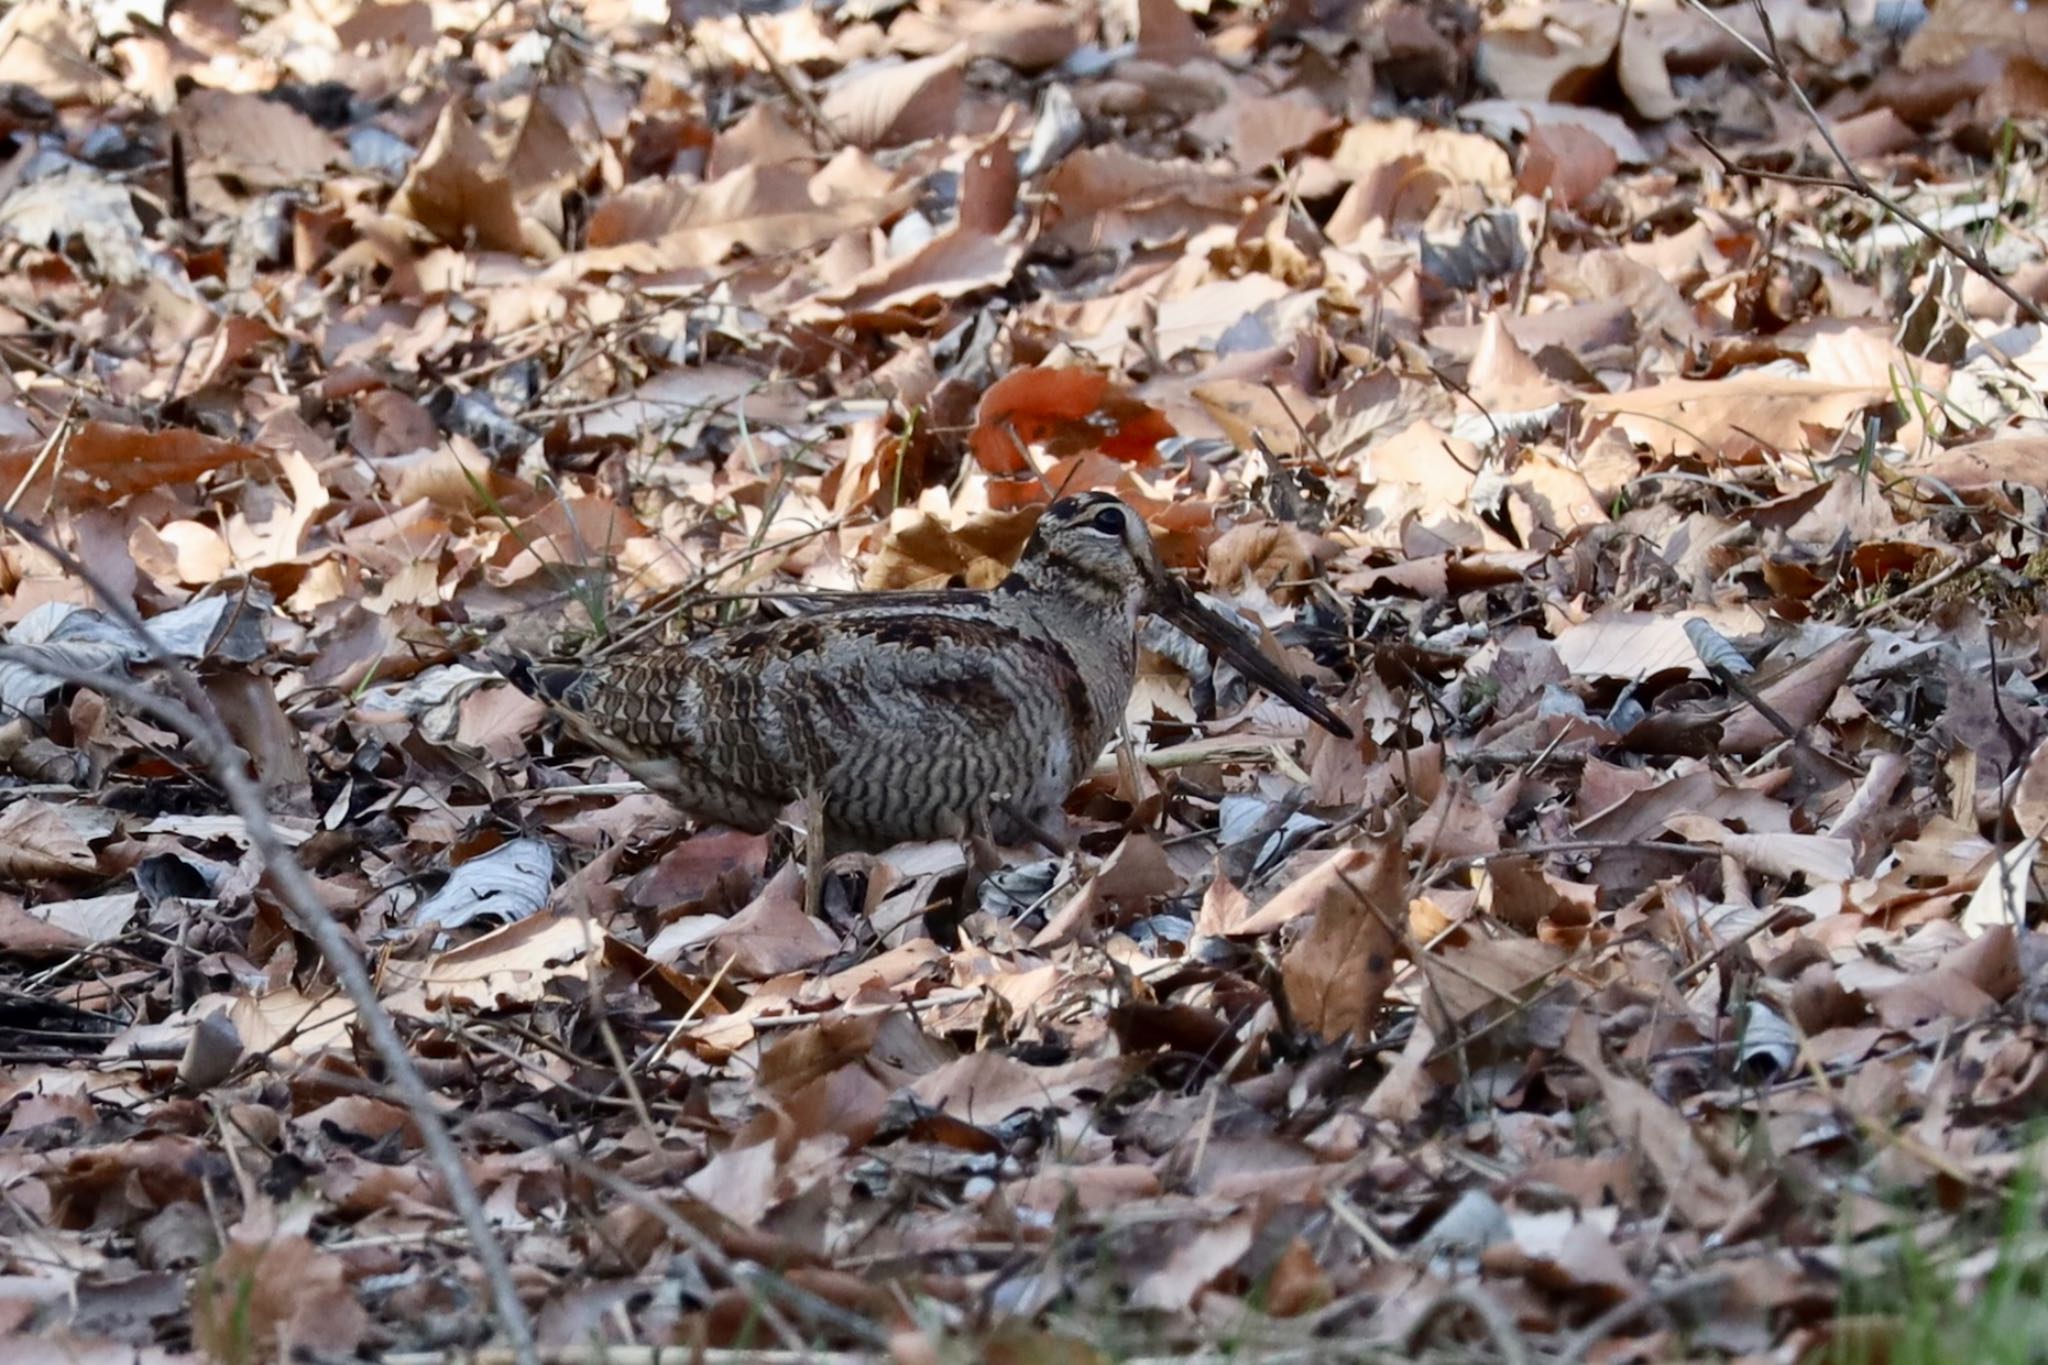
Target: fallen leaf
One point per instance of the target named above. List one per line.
(887, 105)
(1064, 410)
(458, 190)
(510, 882)
(1735, 420)
(515, 965)
(270, 1297)
(1336, 975)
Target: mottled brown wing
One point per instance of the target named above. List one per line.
(627, 708)
(908, 719)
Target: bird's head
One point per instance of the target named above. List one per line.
(1094, 548)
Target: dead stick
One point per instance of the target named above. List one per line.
(1855, 181)
(799, 96)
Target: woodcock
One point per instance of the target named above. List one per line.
(912, 715)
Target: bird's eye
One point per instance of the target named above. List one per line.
(1109, 521)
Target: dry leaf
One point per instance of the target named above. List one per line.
(1063, 410)
(889, 105)
(1735, 420)
(458, 191)
(270, 1298)
(1336, 975)
(513, 965)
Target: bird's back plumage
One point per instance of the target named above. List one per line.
(909, 716)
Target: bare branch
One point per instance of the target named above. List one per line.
(1853, 181)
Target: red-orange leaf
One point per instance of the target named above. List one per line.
(1065, 410)
(103, 463)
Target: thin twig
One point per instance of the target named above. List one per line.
(1854, 181)
(791, 87)
(1976, 556)
(765, 1283)
(60, 440)
(1655, 1300)
(1483, 1308)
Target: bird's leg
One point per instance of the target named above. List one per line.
(982, 859)
(814, 848)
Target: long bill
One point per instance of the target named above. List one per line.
(1228, 639)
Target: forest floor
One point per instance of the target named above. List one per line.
(1628, 417)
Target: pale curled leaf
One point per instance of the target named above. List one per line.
(93, 919)
(1769, 1046)
(1714, 649)
(287, 1023)
(210, 1053)
(40, 839)
(510, 882)
(1568, 1246)
(1638, 644)
(458, 190)
(888, 104)
(511, 966)
(1702, 1191)
(2000, 900)
(1336, 975)
(1816, 857)
(1196, 1261)
(81, 205)
(1734, 419)
(1801, 695)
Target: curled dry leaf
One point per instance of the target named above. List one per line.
(79, 206)
(1030, 36)
(273, 1297)
(287, 1023)
(1702, 1189)
(1480, 982)
(976, 253)
(919, 551)
(93, 919)
(510, 966)
(770, 936)
(1801, 696)
(1736, 420)
(255, 142)
(510, 882)
(102, 463)
(458, 191)
(1565, 1248)
(210, 1053)
(1195, 1262)
(39, 840)
(1769, 1047)
(2000, 900)
(1336, 975)
(1064, 410)
(887, 105)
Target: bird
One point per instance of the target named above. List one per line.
(907, 716)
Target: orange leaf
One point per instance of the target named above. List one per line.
(103, 463)
(1066, 410)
